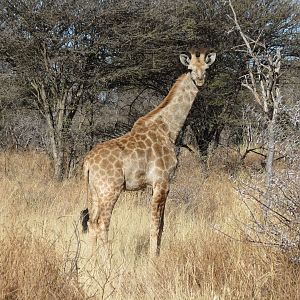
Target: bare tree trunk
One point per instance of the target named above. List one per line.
(270, 154)
(53, 107)
(269, 165)
(54, 128)
(262, 82)
(56, 149)
(271, 150)
(59, 166)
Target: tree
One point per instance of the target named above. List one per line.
(67, 53)
(262, 80)
(50, 46)
(144, 59)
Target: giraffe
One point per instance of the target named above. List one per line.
(144, 156)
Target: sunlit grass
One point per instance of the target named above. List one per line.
(204, 254)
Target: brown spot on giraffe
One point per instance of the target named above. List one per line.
(144, 156)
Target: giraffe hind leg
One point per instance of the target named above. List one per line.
(100, 212)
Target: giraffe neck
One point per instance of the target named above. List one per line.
(174, 109)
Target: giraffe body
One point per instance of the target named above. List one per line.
(144, 156)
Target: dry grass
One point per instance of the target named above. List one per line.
(44, 255)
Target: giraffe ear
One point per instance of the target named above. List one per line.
(184, 59)
(210, 58)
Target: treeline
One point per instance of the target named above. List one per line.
(76, 72)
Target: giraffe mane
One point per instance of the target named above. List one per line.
(166, 100)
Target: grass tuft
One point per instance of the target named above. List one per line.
(205, 253)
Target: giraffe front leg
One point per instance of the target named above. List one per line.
(160, 193)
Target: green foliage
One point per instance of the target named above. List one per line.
(133, 44)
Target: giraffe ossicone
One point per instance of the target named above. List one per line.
(143, 156)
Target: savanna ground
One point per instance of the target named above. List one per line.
(205, 253)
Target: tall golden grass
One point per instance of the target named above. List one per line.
(44, 255)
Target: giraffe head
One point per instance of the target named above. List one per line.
(198, 63)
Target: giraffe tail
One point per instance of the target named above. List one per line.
(84, 214)
(84, 217)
